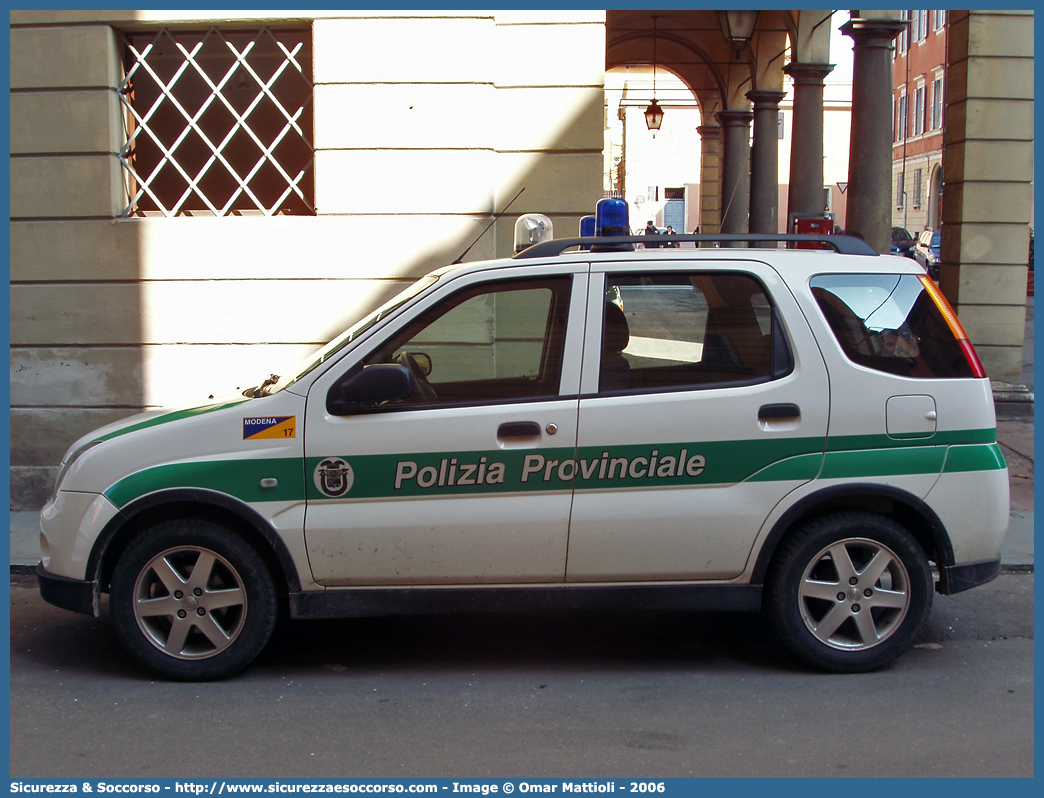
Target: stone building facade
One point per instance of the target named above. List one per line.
(415, 127)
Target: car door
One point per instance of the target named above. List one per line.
(704, 401)
(434, 489)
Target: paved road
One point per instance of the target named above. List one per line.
(652, 695)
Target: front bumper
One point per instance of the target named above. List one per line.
(955, 578)
(78, 595)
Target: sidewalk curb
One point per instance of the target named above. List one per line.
(1016, 569)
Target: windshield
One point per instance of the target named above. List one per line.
(936, 240)
(337, 344)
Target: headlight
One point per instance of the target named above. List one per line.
(72, 458)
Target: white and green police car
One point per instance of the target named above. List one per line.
(803, 431)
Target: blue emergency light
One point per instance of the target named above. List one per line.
(611, 218)
(587, 229)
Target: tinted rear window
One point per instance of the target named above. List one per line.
(889, 323)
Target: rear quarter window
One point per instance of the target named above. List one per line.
(889, 323)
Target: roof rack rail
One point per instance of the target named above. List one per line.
(842, 244)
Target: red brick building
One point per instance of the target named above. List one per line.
(918, 109)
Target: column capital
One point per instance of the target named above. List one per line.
(709, 131)
(808, 73)
(873, 32)
(765, 99)
(734, 118)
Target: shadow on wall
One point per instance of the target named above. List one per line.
(112, 317)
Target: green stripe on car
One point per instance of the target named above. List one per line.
(588, 468)
(175, 415)
(974, 458)
(238, 478)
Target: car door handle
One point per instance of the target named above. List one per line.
(518, 429)
(777, 412)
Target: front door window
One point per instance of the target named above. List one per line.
(489, 343)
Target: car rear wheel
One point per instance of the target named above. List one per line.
(193, 600)
(849, 592)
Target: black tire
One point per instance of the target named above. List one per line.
(838, 608)
(189, 626)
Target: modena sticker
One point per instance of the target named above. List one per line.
(269, 427)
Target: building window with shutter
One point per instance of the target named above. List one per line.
(919, 111)
(901, 121)
(902, 41)
(918, 25)
(937, 104)
(218, 122)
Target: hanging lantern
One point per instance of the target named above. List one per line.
(654, 113)
(738, 28)
(653, 116)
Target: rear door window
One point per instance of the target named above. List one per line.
(889, 322)
(685, 331)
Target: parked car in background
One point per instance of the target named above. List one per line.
(902, 242)
(927, 251)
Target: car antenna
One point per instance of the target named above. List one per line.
(495, 217)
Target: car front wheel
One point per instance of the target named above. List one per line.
(193, 600)
(849, 592)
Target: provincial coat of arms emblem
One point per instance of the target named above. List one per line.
(333, 476)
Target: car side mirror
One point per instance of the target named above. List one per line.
(381, 382)
(423, 362)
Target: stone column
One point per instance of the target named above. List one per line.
(764, 162)
(710, 178)
(870, 153)
(987, 203)
(805, 194)
(735, 172)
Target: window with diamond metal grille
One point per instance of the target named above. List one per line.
(218, 122)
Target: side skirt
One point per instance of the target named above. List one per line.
(354, 602)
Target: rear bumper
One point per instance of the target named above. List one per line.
(78, 595)
(955, 578)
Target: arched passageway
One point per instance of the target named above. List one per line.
(736, 76)
(738, 85)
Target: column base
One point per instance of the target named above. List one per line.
(1012, 401)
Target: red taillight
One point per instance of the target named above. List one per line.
(955, 325)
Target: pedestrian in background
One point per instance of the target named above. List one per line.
(650, 230)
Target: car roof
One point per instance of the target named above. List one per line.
(799, 264)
